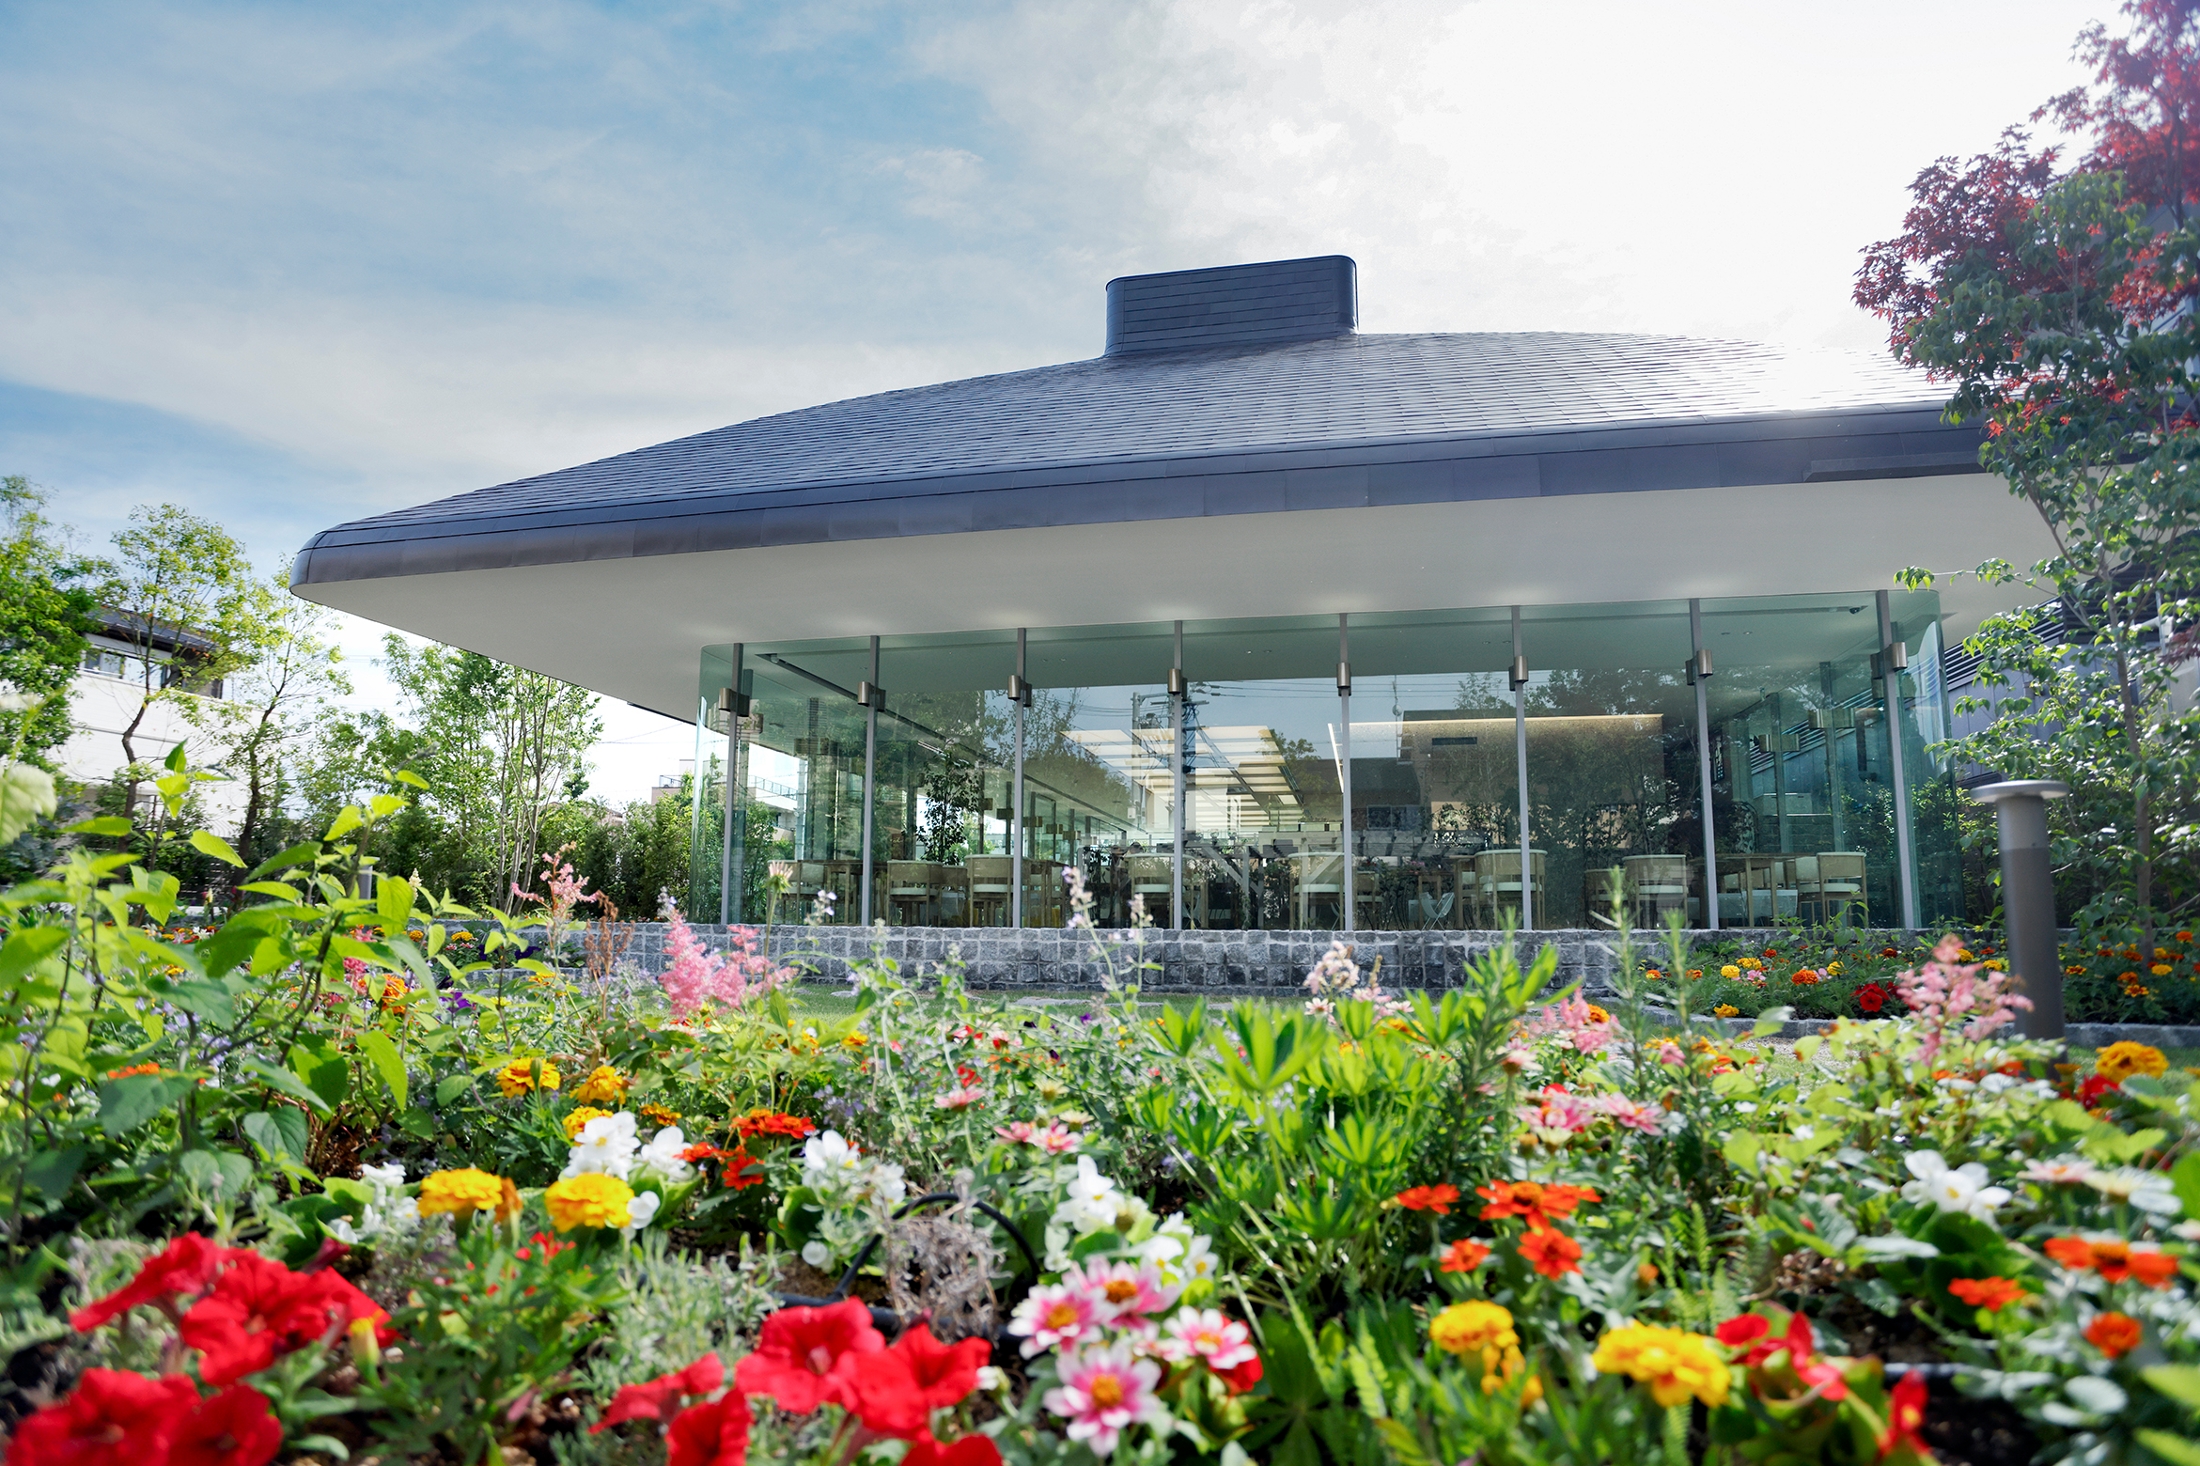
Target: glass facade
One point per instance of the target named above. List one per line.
(1449, 769)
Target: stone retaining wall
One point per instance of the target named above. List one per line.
(1009, 958)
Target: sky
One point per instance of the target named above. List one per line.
(289, 265)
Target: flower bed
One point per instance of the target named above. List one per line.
(300, 1186)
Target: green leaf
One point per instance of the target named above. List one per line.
(284, 859)
(2184, 1178)
(393, 902)
(347, 819)
(323, 1070)
(219, 1171)
(2181, 1382)
(174, 762)
(27, 948)
(208, 1000)
(112, 826)
(381, 1053)
(208, 843)
(2172, 1448)
(127, 1103)
(284, 1082)
(51, 1172)
(407, 776)
(450, 1089)
(420, 1124)
(279, 1131)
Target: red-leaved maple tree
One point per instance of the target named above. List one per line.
(2053, 290)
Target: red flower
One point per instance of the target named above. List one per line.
(2094, 1087)
(1437, 1199)
(970, 1450)
(260, 1309)
(884, 1394)
(1463, 1256)
(649, 1401)
(1991, 1294)
(233, 1428)
(187, 1265)
(798, 1352)
(1744, 1329)
(2114, 1334)
(716, 1434)
(1241, 1377)
(1905, 1417)
(735, 1168)
(112, 1418)
(2115, 1259)
(1551, 1252)
(1871, 997)
(945, 1373)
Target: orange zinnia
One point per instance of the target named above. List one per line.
(1464, 1256)
(2114, 1334)
(2114, 1259)
(1533, 1201)
(1551, 1252)
(1437, 1199)
(1991, 1294)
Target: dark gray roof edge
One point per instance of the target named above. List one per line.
(1793, 448)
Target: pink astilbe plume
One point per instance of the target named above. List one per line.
(698, 975)
(1574, 1019)
(1943, 994)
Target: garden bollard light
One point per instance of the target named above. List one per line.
(2028, 896)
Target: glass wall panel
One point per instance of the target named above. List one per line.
(1923, 717)
(1098, 787)
(1804, 805)
(706, 792)
(1612, 769)
(804, 761)
(946, 761)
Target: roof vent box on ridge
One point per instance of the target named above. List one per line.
(1233, 305)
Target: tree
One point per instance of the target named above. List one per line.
(499, 745)
(273, 706)
(2059, 307)
(45, 613)
(184, 598)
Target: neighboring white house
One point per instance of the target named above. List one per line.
(105, 697)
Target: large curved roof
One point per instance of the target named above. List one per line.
(1145, 433)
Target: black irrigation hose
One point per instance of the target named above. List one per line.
(885, 1320)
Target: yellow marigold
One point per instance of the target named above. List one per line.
(1727, 1010)
(1997, 964)
(603, 1086)
(1752, 963)
(2161, 969)
(581, 1115)
(1477, 1327)
(394, 990)
(2119, 1061)
(854, 1041)
(461, 1192)
(1598, 1015)
(518, 1077)
(1730, 971)
(1673, 1363)
(1834, 968)
(659, 1115)
(592, 1199)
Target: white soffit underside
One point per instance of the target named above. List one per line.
(632, 628)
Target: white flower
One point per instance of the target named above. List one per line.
(887, 1184)
(384, 1178)
(641, 1211)
(2147, 1190)
(829, 1159)
(1092, 1202)
(816, 1254)
(1957, 1189)
(990, 1379)
(662, 1154)
(605, 1146)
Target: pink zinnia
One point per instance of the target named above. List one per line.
(1634, 1116)
(1056, 1139)
(1124, 1292)
(958, 1099)
(1053, 1317)
(1103, 1391)
(1207, 1334)
(1018, 1132)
